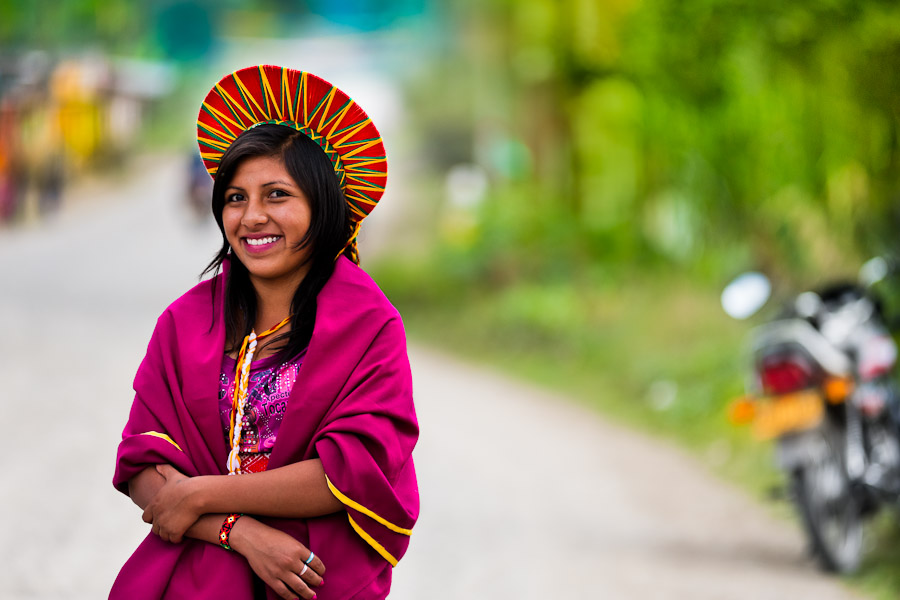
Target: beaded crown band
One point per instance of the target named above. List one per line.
(264, 94)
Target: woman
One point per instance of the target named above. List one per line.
(288, 368)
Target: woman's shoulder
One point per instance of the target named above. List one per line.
(353, 316)
(198, 302)
(351, 288)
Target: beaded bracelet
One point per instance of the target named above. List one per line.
(225, 531)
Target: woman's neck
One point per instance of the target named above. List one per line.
(273, 301)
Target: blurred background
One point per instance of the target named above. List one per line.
(573, 182)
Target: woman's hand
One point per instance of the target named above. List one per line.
(174, 508)
(277, 558)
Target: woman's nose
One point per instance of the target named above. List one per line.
(254, 214)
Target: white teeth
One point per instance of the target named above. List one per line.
(261, 241)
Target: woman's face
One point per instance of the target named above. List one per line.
(265, 216)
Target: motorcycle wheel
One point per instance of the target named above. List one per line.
(829, 508)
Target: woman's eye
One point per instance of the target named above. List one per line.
(278, 194)
(234, 198)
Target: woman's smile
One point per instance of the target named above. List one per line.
(259, 245)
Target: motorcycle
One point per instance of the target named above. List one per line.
(822, 389)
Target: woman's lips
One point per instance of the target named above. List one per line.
(260, 244)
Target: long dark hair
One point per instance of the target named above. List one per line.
(329, 229)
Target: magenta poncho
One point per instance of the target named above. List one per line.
(351, 406)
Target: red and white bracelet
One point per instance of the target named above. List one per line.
(225, 531)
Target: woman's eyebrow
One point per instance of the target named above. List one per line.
(277, 182)
(235, 187)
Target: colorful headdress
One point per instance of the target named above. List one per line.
(269, 94)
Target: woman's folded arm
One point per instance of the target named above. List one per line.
(177, 502)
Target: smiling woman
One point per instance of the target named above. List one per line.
(321, 427)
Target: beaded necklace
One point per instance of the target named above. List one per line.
(239, 400)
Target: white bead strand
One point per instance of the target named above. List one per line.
(234, 461)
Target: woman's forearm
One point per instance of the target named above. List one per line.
(143, 487)
(297, 490)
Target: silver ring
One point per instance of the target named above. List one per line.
(305, 569)
(312, 555)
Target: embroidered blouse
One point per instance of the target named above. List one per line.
(270, 383)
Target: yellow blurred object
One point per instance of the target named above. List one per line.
(838, 389)
(742, 411)
(76, 103)
(81, 132)
(783, 414)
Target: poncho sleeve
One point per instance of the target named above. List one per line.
(154, 434)
(174, 420)
(366, 445)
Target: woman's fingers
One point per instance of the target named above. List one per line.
(169, 472)
(296, 584)
(316, 564)
(162, 534)
(299, 582)
(293, 588)
(279, 559)
(309, 576)
(283, 591)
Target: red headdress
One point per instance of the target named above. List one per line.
(268, 94)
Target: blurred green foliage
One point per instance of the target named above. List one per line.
(115, 25)
(708, 135)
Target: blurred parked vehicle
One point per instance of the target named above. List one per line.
(822, 388)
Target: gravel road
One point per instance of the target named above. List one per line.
(525, 495)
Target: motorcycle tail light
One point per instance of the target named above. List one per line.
(782, 375)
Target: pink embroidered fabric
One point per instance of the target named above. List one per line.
(270, 384)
